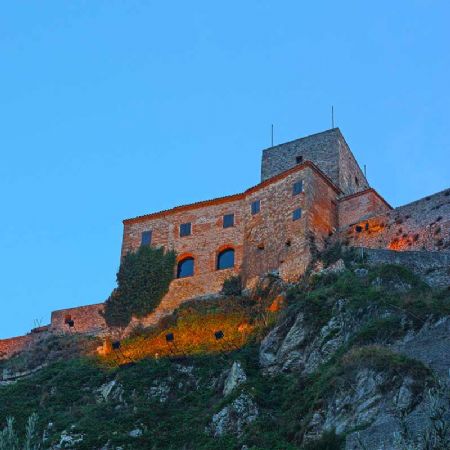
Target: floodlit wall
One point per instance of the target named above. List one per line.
(420, 225)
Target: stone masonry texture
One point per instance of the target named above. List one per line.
(336, 203)
(420, 225)
(433, 267)
(328, 150)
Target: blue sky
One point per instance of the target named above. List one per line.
(111, 109)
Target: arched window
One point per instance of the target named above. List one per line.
(185, 267)
(225, 259)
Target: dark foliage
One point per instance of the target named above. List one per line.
(142, 281)
(232, 286)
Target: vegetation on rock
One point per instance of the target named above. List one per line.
(171, 395)
(232, 286)
(142, 281)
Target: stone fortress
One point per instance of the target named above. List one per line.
(312, 191)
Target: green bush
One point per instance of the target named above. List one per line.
(232, 286)
(142, 281)
(336, 251)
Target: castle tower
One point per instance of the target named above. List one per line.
(327, 150)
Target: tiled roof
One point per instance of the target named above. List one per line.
(240, 196)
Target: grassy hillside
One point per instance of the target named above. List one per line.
(168, 402)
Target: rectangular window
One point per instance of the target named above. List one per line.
(228, 220)
(185, 229)
(256, 207)
(297, 214)
(146, 237)
(297, 188)
(299, 159)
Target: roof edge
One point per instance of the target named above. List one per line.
(330, 131)
(366, 191)
(234, 197)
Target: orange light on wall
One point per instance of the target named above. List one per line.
(399, 244)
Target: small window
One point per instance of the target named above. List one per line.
(256, 207)
(228, 220)
(225, 259)
(146, 238)
(299, 159)
(297, 214)
(356, 181)
(185, 268)
(185, 229)
(297, 188)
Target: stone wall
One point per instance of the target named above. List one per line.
(360, 206)
(328, 150)
(421, 225)
(433, 267)
(273, 240)
(266, 241)
(269, 240)
(86, 319)
(9, 347)
(351, 177)
(322, 211)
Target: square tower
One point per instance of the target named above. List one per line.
(328, 150)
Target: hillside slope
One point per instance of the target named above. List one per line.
(358, 358)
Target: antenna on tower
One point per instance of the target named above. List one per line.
(332, 116)
(272, 136)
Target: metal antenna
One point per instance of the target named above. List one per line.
(272, 135)
(365, 175)
(332, 116)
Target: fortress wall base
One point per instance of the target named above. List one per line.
(10, 347)
(433, 267)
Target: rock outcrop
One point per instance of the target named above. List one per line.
(234, 417)
(375, 405)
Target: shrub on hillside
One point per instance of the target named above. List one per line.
(232, 286)
(142, 281)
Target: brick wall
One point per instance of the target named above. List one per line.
(421, 225)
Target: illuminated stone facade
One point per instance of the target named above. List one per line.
(420, 225)
(312, 190)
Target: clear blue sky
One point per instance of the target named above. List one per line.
(111, 109)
